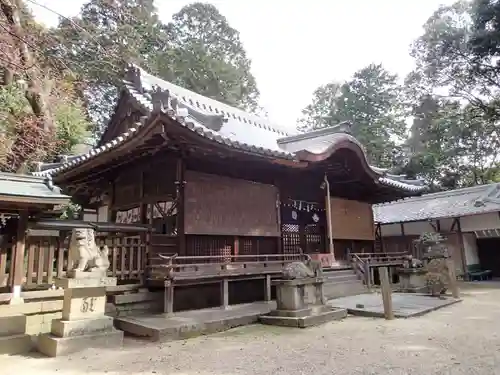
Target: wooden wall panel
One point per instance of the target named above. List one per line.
(218, 205)
(352, 220)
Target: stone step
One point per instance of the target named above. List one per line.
(16, 344)
(336, 290)
(340, 278)
(12, 325)
(322, 315)
(328, 273)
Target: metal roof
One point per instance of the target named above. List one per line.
(26, 187)
(446, 204)
(227, 125)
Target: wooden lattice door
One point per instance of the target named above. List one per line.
(302, 230)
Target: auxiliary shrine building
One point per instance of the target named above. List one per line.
(216, 184)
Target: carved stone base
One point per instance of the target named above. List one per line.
(84, 323)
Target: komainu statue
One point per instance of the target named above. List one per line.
(301, 270)
(85, 254)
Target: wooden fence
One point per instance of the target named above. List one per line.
(46, 258)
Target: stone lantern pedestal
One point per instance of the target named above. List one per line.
(412, 280)
(301, 303)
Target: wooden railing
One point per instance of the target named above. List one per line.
(360, 268)
(387, 259)
(46, 259)
(363, 262)
(172, 266)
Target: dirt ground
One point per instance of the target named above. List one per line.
(460, 339)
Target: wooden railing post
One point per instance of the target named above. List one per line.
(386, 292)
(225, 293)
(18, 258)
(367, 272)
(267, 291)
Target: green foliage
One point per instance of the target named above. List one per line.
(71, 211)
(453, 96)
(198, 50)
(12, 101)
(454, 93)
(72, 126)
(371, 101)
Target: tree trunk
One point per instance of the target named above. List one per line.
(33, 93)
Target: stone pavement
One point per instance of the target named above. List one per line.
(405, 305)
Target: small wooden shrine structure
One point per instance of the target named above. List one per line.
(21, 197)
(220, 185)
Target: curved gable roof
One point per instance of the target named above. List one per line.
(233, 127)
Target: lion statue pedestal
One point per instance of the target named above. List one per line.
(300, 299)
(83, 322)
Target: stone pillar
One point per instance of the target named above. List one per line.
(83, 322)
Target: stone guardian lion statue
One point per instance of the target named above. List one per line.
(84, 253)
(301, 270)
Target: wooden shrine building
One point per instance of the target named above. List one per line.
(218, 183)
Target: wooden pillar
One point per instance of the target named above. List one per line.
(180, 175)
(450, 265)
(224, 297)
(111, 199)
(403, 235)
(386, 292)
(146, 236)
(279, 245)
(236, 248)
(462, 248)
(328, 205)
(368, 275)
(267, 290)
(18, 258)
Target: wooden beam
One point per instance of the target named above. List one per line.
(18, 258)
(432, 225)
(454, 224)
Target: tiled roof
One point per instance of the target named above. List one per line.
(453, 203)
(30, 187)
(227, 125)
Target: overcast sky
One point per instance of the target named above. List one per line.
(296, 46)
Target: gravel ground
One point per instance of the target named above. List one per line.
(460, 339)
